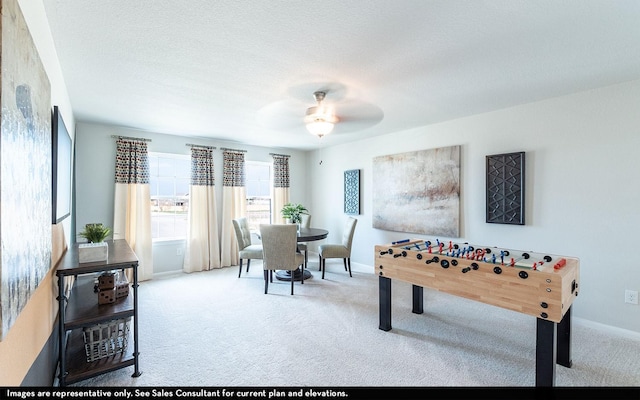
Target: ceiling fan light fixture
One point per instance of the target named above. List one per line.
(320, 127)
(320, 119)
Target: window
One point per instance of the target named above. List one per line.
(169, 178)
(258, 181)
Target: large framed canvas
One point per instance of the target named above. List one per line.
(418, 192)
(61, 156)
(25, 182)
(505, 188)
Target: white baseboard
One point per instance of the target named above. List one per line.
(612, 330)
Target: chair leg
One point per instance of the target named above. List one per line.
(292, 280)
(240, 268)
(323, 262)
(349, 262)
(301, 276)
(266, 281)
(344, 261)
(319, 262)
(248, 263)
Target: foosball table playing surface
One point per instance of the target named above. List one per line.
(537, 284)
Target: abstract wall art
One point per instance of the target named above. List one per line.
(418, 192)
(505, 188)
(25, 182)
(352, 192)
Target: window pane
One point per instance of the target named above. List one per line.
(169, 182)
(258, 181)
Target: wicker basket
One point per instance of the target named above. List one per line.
(104, 340)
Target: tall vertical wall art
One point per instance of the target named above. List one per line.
(25, 181)
(352, 192)
(505, 188)
(418, 192)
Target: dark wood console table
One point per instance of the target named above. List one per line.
(81, 309)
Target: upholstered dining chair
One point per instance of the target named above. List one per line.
(246, 249)
(279, 250)
(342, 250)
(302, 246)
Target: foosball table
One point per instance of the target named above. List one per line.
(536, 284)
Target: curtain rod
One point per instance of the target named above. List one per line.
(201, 145)
(236, 150)
(129, 137)
(281, 155)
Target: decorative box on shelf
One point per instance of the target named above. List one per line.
(91, 252)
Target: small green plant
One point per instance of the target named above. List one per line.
(293, 212)
(95, 233)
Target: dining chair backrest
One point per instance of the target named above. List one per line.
(348, 231)
(306, 221)
(243, 234)
(279, 242)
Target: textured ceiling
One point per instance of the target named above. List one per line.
(245, 71)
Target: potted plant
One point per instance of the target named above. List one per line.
(97, 249)
(293, 211)
(95, 233)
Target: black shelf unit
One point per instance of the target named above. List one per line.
(81, 309)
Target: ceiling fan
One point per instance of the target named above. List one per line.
(334, 112)
(320, 119)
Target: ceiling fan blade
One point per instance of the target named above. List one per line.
(284, 114)
(354, 115)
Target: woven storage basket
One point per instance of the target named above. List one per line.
(104, 340)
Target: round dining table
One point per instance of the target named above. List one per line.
(304, 235)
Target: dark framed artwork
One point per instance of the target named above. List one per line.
(25, 150)
(505, 188)
(418, 192)
(61, 156)
(352, 192)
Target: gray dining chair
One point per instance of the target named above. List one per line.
(302, 246)
(279, 248)
(246, 249)
(342, 250)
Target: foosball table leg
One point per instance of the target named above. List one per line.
(418, 299)
(545, 352)
(385, 303)
(564, 340)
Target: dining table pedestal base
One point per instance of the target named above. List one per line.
(282, 275)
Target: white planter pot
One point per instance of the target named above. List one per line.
(92, 252)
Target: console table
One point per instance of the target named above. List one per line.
(81, 309)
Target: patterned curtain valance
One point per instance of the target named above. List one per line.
(233, 168)
(132, 161)
(280, 171)
(202, 166)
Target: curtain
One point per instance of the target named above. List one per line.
(203, 250)
(234, 204)
(280, 186)
(132, 203)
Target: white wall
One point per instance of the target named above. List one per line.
(582, 191)
(95, 169)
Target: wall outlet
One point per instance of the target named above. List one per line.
(631, 296)
(179, 252)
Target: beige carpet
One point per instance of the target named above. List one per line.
(215, 329)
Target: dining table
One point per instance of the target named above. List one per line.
(304, 235)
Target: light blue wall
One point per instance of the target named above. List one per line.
(95, 185)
